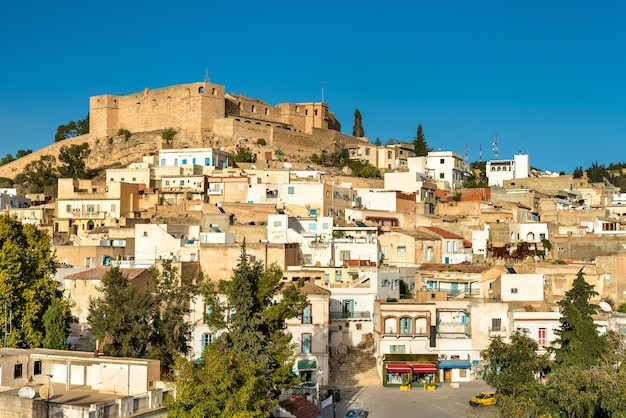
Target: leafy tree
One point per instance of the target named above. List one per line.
(357, 128)
(6, 182)
(7, 159)
(57, 321)
(378, 142)
(120, 317)
(171, 332)
(23, 152)
(596, 173)
(362, 169)
(73, 159)
(511, 371)
(169, 134)
(419, 142)
(478, 176)
(27, 288)
(578, 341)
(72, 129)
(578, 173)
(40, 176)
(252, 356)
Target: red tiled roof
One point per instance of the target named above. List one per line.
(299, 407)
(443, 233)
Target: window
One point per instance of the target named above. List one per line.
(312, 227)
(37, 369)
(291, 190)
(207, 161)
(326, 277)
(90, 208)
(183, 161)
(514, 290)
(401, 251)
(367, 151)
(68, 208)
(344, 255)
(442, 161)
(388, 154)
(278, 223)
(442, 175)
(391, 326)
(561, 248)
(207, 338)
(175, 161)
(463, 373)
(17, 371)
(325, 225)
(406, 326)
(542, 337)
(397, 349)
(162, 162)
(305, 344)
(306, 315)
(464, 319)
(308, 259)
(496, 324)
(207, 312)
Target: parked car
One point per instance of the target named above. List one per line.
(306, 385)
(356, 412)
(483, 399)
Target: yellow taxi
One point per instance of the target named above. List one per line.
(483, 399)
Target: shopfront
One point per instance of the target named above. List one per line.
(454, 371)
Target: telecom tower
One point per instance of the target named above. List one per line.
(466, 159)
(480, 153)
(495, 147)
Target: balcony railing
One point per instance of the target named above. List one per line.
(453, 328)
(350, 315)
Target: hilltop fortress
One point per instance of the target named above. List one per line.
(203, 116)
(202, 110)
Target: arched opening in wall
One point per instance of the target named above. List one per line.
(267, 124)
(267, 111)
(306, 112)
(253, 108)
(391, 326)
(297, 109)
(188, 92)
(421, 325)
(247, 121)
(115, 102)
(239, 105)
(213, 91)
(530, 237)
(238, 120)
(201, 90)
(90, 225)
(257, 123)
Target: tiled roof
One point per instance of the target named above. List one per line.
(97, 273)
(311, 289)
(443, 233)
(299, 407)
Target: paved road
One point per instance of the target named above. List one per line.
(445, 402)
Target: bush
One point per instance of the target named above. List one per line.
(261, 141)
(124, 132)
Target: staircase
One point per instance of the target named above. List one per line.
(354, 366)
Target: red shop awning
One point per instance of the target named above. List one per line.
(424, 368)
(398, 368)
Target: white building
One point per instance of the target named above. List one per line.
(531, 232)
(540, 326)
(520, 287)
(500, 170)
(162, 241)
(206, 157)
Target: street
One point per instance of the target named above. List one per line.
(444, 402)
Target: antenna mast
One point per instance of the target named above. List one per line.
(322, 91)
(206, 75)
(466, 159)
(480, 153)
(495, 147)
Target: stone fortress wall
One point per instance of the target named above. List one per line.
(204, 116)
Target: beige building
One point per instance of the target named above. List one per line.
(83, 205)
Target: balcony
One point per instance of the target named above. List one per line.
(79, 214)
(453, 328)
(497, 331)
(358, 315)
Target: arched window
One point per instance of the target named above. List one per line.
(421, 326)
(391, 326)
(406, 325)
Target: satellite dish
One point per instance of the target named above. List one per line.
(605, 306)
(26, 392)
(287, 165)
(46, 391)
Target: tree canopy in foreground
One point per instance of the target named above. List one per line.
(241, 372)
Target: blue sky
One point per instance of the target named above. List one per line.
(549, 78)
